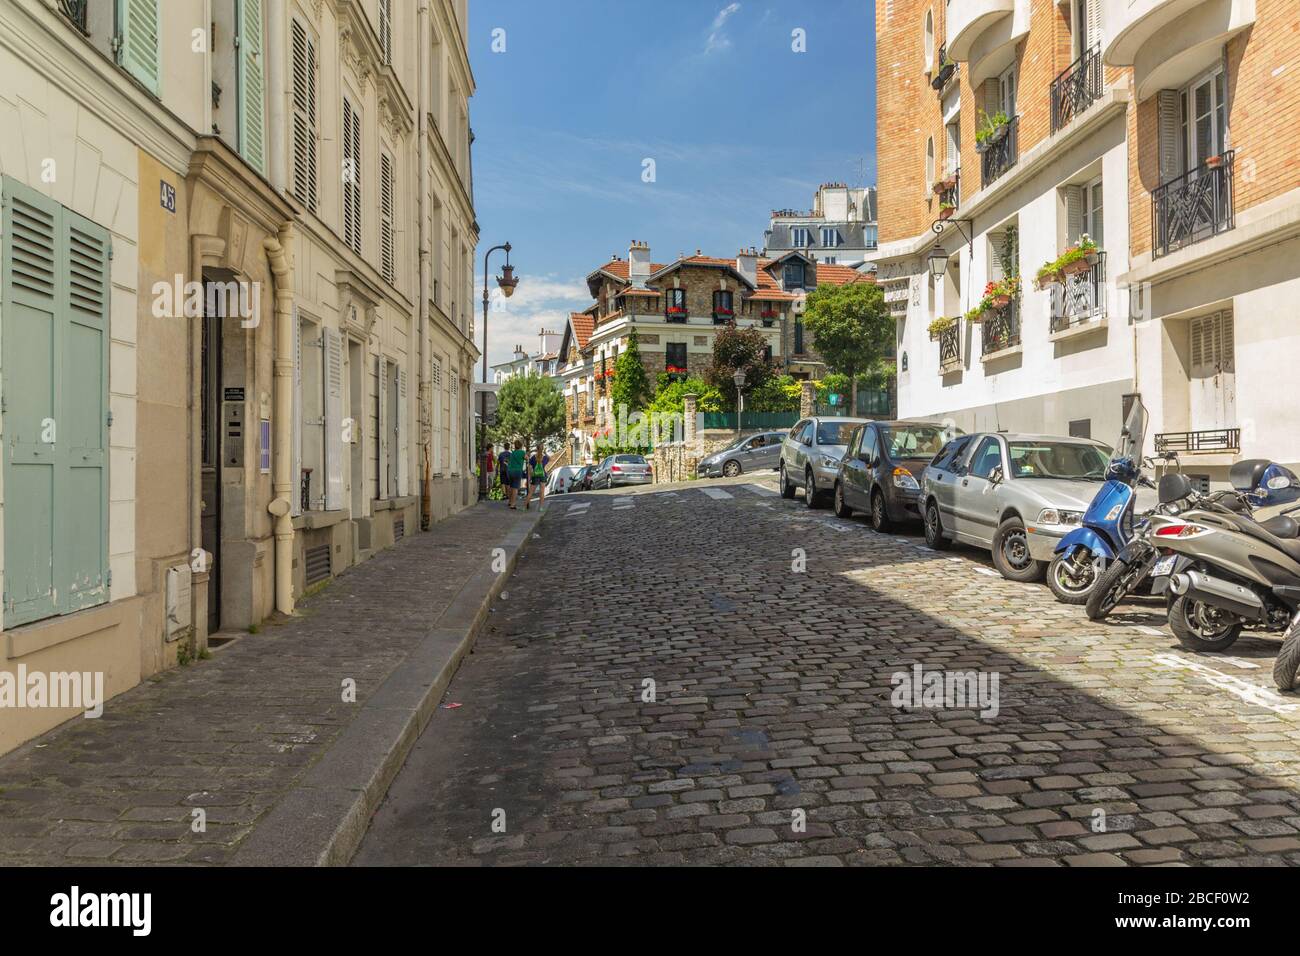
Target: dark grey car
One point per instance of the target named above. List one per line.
(882, 469)
(755, 453)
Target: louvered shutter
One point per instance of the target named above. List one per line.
(352, 177)
(295, 497)
(997, 269)
(991, 97)
(438, 425)
(455, 423)
(333, 420)
(1168, 104)
(403, 438)
(304, 116)
(382, 437)
(252, 86)
(386, 29)
(387, 241)
(1094, 26)
(139, 48)
(1073, 213)
(54, 277)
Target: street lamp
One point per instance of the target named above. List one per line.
(507, 282)
(739, 379)
(938, 261)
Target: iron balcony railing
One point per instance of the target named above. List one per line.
(943, 75)
(950, 347)
(1001, 329)
(999, 157)
(1195, 206)
(75, 11)
(951, 196)
(1210, 439)
(1081, 298)
(1077, 88)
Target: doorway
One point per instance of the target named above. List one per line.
(210, 442)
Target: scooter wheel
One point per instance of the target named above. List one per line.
(1112, 587)
(1200, 627)
(1068, 587)
(1288, 660)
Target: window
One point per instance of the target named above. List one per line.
(310, 379)
(834, 433)
(251, 84)
(831, 237)
(928, 35)
(675, 357)
(1007, 92)
(929, 163)
(1057, 459)
(304, 115)
(793, 276)
(722, 305)
(386, 30)
(435, 77)
(987, 457)
(675, 300)
(798, 335)
(1204, 119)
(387, 232)
(1090, 215)
(800, 237)
(951, 454)
(54, 305)
(351, 176)
(1212, 384)
(953, 133)
(870, 444)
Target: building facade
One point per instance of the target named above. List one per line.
(840, 229)
(256, 351)
(676, 309)
(544, 362)
(1017, 135)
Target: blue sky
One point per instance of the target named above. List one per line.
(736, 122)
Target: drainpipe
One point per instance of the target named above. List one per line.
(279, 251)
(422, 151)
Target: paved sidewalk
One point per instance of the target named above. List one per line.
(253, 729)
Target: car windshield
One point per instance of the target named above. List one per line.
(1057, 459)
(914, 441)
(835, 433)
(630, 460)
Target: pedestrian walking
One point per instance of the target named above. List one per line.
(515, 464)
(537, 477)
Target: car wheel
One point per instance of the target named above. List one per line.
(810, 497)
(880, 513)
(787, 489)
(1200, 627)
(731, 469)
(842, 510)
(934, 528)
(1011, 555)
(1070, 580)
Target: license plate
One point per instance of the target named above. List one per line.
(1164, 566)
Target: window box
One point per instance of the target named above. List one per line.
(946, 211)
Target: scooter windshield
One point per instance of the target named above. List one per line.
(1133, 433)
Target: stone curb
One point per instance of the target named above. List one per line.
(322, 820)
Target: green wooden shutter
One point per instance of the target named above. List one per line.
(54, 273)
(252, 86)
(139, 47)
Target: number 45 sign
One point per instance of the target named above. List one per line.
(167, 196)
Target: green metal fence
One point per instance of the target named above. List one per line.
(750, 419)
(872, 403)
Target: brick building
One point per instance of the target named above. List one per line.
(676, 309)
(1158, 128)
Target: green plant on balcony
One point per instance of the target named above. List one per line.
(1077, 258)
(946, 209)
(991, 130)
(941, 325)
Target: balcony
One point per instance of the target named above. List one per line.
(1167, 42)
(1081, 299)
(945, 71)
(680, 316)
(1077, 88)
(1209, 440)
(75, 12)
(968, 19)
(1193, 207)
(950, 349)
(999, 157)
(949, 195)
(1001, 330)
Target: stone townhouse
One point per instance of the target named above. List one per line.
(197, 306)
(676, 309)
(1157, 128)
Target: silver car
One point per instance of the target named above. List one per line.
(621, 470)
(1015, 495)
(754, 453)
(810, 456)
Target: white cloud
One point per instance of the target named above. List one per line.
(540, 302)
(717, 39)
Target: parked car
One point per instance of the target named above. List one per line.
(1016, 495)
(561, 480)
(749, 454)
(810, 456)
(582, 480)
(622, 470)
(881, 471)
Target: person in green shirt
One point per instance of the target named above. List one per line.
(515, 469)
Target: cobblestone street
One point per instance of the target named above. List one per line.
(1111, 745)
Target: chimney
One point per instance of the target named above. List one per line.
(638, 268)
(747, 265)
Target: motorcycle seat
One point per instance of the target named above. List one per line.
(1283, 526)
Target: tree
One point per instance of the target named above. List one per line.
(851, 328)
(529, 409)
(631, 386)
(734, 349)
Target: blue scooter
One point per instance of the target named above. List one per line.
(1109, 522)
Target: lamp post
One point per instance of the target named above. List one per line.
(507, 282)
(739, 379)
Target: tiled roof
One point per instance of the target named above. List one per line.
(583, 325)
(839, 275)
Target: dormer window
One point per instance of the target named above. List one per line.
(793, 276)
(800, 238)
(831, 238)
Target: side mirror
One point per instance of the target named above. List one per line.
(995, 475)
